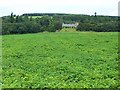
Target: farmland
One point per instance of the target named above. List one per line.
(60, 60)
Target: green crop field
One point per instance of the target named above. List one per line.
(35, 17)
(60, 60)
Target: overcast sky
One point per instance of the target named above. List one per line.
(18, 7)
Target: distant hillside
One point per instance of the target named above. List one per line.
(52, 14)
(42, 14)
(63, 14)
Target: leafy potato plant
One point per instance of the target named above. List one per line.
(60, 60)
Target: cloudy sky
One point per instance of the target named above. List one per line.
(18, 7)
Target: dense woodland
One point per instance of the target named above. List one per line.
(50, 22)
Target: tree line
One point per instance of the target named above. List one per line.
(15, 24)
(94, 22)
(26, 24)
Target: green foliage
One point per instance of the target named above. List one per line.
(98, 27)
(53, 22)
(25, 24)
(12, 18)
(60, 60)
(86, 27)
(57, 21)
(44, 21)
(58, 25)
